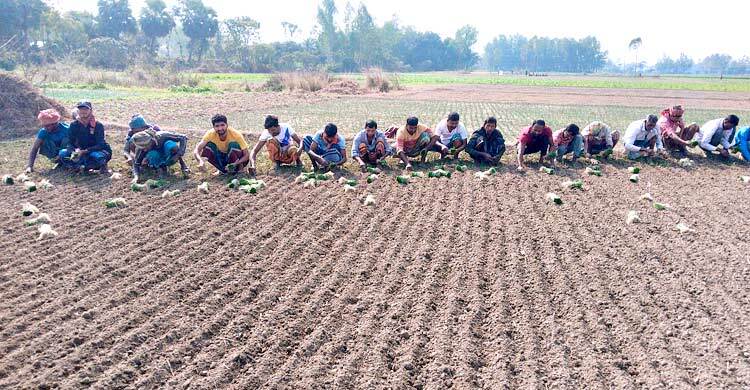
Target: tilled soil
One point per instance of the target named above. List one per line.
(444, 283)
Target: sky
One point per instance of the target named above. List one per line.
(662, 25)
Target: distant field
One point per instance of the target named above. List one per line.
(623, 82)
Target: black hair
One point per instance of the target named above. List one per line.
(539, 122)
(371, 124)
(573, 129)
(453, 116)
(412, 121)
(652, 119)
(733, 119)
(271, 121)
(491, 119)
(219, 118)
(330, 129)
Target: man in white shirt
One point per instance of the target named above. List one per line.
(642, 138)
(277, 137)
(716, 135)
(452, 134)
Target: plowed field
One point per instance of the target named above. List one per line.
(444, 283)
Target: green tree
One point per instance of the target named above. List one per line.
(115, 18)
(199, 23)
(238, 35)
(464, 39)
(329, 35)
(107, 53)
(19, 19)
(156, 22)
(87, 20)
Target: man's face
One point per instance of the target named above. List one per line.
(84, 113)
(727, 125)
(537, 129)
(276, 130)
(220, 128)
(51, 126)
(490, 127)
(650, 125)
(675, 116)
(411, 129)
(370, 131)
(452, 125)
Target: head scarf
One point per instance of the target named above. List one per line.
(138, 121)
(142, 139)
(48, 117)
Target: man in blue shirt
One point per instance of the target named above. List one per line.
(51, 138)
(88, 148)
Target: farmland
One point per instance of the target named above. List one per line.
(443, 283)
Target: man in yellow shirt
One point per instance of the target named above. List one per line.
(414, 140)
(224, 147)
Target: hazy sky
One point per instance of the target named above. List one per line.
(716, 26)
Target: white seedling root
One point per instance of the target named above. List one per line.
(41, 218)
(7, 179)
(633, 217)
(310, 183)
(116, 176)
(119, 202)
(369, 200)
(745, 179)
(686, 162)
(481, 176)
(28, 208)
(647, 197)
(683, 228)
(348, 188)
(342, 180)
(168, 193)
(29, 184)
(45, 231)
(329, 175)
(22, 178)
(203, 187)
(45, 184)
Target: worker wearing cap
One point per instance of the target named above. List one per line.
(88, 149)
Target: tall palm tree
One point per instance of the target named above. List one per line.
(635, 44)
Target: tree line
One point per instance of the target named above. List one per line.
(191, 35)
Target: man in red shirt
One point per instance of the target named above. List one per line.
(536, 138)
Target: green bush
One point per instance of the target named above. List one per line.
(107, 53)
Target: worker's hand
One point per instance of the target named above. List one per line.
(201, 165)
(135, 180)
(409, 167)
(29, 170)
(363, 168)
(724, 152)
(251, 171)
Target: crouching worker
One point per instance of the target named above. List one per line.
(674, 134)
(370, 146)
(50, 139)
(452, 134)
(742, 142)
(223, 147)
(486, 145)
(536, 138)
(414, 140)
(137, 124)
(160, 150)
(717, 135)
(277, 138)
(88, 149)
(327, 149)
(568, 140)
(643, 138)
(598, 137)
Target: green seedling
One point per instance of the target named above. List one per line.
(401, 179)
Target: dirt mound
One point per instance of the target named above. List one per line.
(20, 103)
(344, 87)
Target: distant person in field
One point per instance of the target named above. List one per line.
(452, 134)
(536, 138)
(742, 143)
(137, 124)
(674, 134)
(598, 137)
(370, 146)
(717, 135)
(568, 140)
(160, 150)
(50, 139)
(643, 139)
(486, 145)
(223, 147)
(414, 140)
(283, 144)
(326, 148)
(88, 149)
